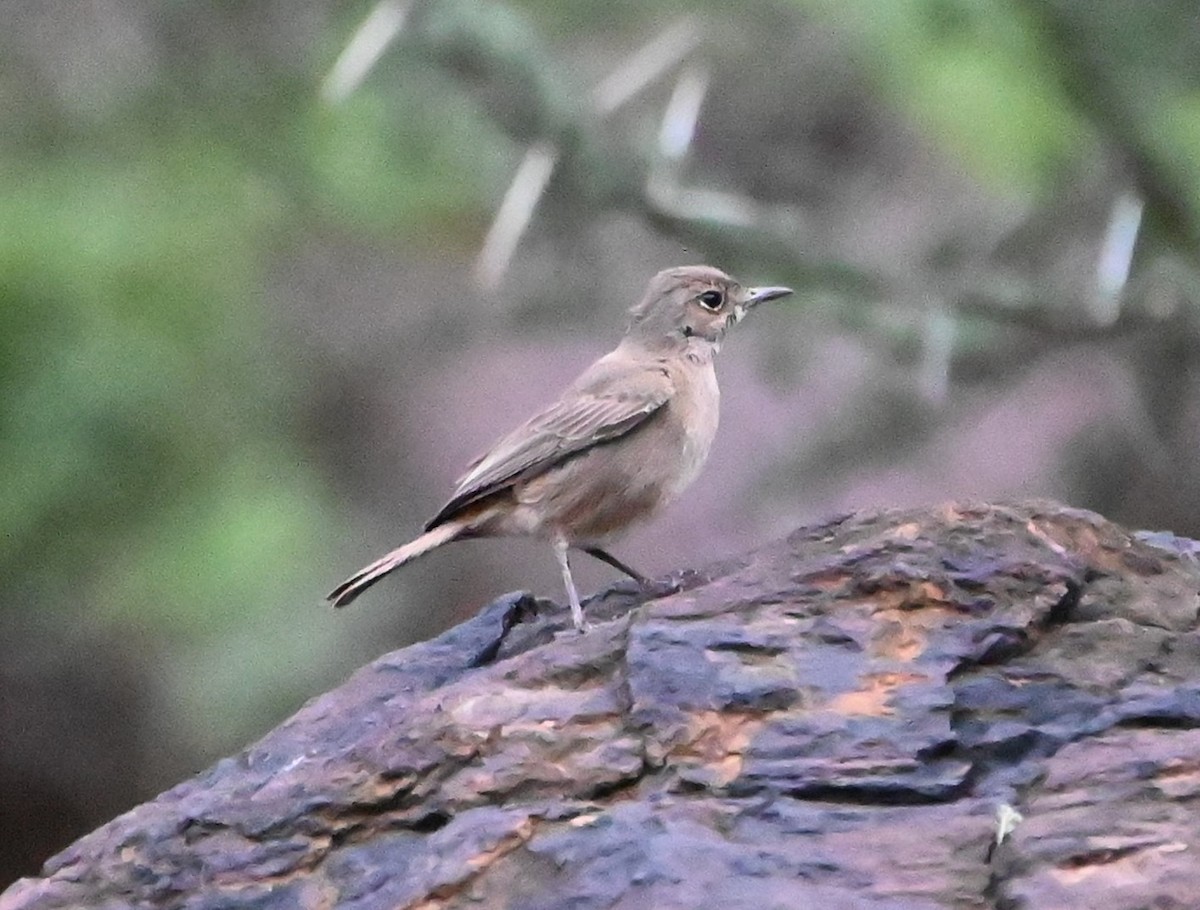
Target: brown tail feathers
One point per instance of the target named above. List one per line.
(368, 575)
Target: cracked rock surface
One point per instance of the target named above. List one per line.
(832, 720)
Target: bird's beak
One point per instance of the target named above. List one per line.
(755, 296)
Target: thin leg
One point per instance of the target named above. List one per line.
(605, 556)
(560, 551)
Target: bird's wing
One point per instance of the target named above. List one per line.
(606, 402)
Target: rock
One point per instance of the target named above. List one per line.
(834, 720)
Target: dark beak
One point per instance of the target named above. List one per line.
(755, 296)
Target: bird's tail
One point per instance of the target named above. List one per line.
(368, 575)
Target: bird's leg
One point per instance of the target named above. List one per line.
(560, 551)
(605, 556)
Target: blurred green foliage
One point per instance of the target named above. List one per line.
(150, 474)
(976, 74)
(436, 178)
(155, 477)
(1023, 92)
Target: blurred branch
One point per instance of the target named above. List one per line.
(569, 143)
(652, 61)
(364, 49)
(1116, 257)
(647, 178)
(512, 219)
(664, 190)
(937, 352)
(515, 213)
(675, 135)
(683, 113)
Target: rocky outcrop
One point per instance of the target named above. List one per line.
(835, 720)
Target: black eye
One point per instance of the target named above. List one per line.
(711, 300)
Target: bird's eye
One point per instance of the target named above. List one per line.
(711, 300)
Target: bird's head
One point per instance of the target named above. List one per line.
(692, 306)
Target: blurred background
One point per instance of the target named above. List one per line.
(271, 273)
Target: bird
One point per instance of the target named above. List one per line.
(623, 440)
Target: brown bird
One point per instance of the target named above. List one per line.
(622, 441)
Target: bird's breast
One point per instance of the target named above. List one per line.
(695, 411)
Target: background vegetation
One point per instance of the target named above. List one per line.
(246, 338)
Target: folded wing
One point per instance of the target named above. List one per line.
(604, 404)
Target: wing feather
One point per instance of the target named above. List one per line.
(608, 401)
